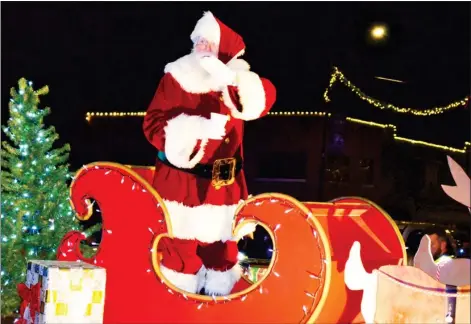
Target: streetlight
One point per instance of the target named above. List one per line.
(378, 32)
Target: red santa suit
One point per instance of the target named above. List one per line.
(196, 122)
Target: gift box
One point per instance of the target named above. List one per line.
(62, 292)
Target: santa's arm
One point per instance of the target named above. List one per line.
(247, 95)
(172, 128)
(251, 97)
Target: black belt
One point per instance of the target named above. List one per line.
(224, 166)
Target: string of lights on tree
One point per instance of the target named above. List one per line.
(35, 196)
(90, 115)
(338, 76)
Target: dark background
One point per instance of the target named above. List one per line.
(105, 56)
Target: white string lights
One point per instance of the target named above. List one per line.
(338, 76)
(397, 138)
(292, 209)
(126, 179)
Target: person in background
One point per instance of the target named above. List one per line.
(441, 245)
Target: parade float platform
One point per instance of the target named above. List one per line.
(303, 283)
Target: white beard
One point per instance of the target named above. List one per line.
(193, 78)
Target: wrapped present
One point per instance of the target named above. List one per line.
(62, 292)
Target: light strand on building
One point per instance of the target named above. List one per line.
(467, 145)
(338, 76)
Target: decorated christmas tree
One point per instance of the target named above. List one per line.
(36, 212)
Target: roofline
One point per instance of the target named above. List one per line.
(467, 145)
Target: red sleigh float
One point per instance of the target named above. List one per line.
(304, 281)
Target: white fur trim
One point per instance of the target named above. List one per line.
(208, 28)
(218, 70)
(191, 76)
(251, 94)
(183, 281)
(238, 65)
(205, 223)
(220, 283)
(241, 53)
(181, 136)
(201, 278)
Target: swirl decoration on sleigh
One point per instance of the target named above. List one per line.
(304, 281)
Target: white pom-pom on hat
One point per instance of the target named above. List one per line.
(208, 28)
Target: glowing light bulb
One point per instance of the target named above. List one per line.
(378, 32)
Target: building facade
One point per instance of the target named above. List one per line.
(320, 158)
(316, 157)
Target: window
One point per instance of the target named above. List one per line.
(337, 169)
(287, 165)
(336, 143)
(366, 173)
(337, 139)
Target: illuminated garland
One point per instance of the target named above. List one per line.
(90, 115)
(467, 145)
(339, 76)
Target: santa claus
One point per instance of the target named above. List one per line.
(196, 122)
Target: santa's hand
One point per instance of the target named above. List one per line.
(218, 70)
(215, 127)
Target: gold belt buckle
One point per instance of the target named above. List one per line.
(217, 182)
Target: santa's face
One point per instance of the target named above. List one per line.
(203, 46)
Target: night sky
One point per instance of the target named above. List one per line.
(105, 56)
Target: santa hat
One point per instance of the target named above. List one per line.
(230, 43)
